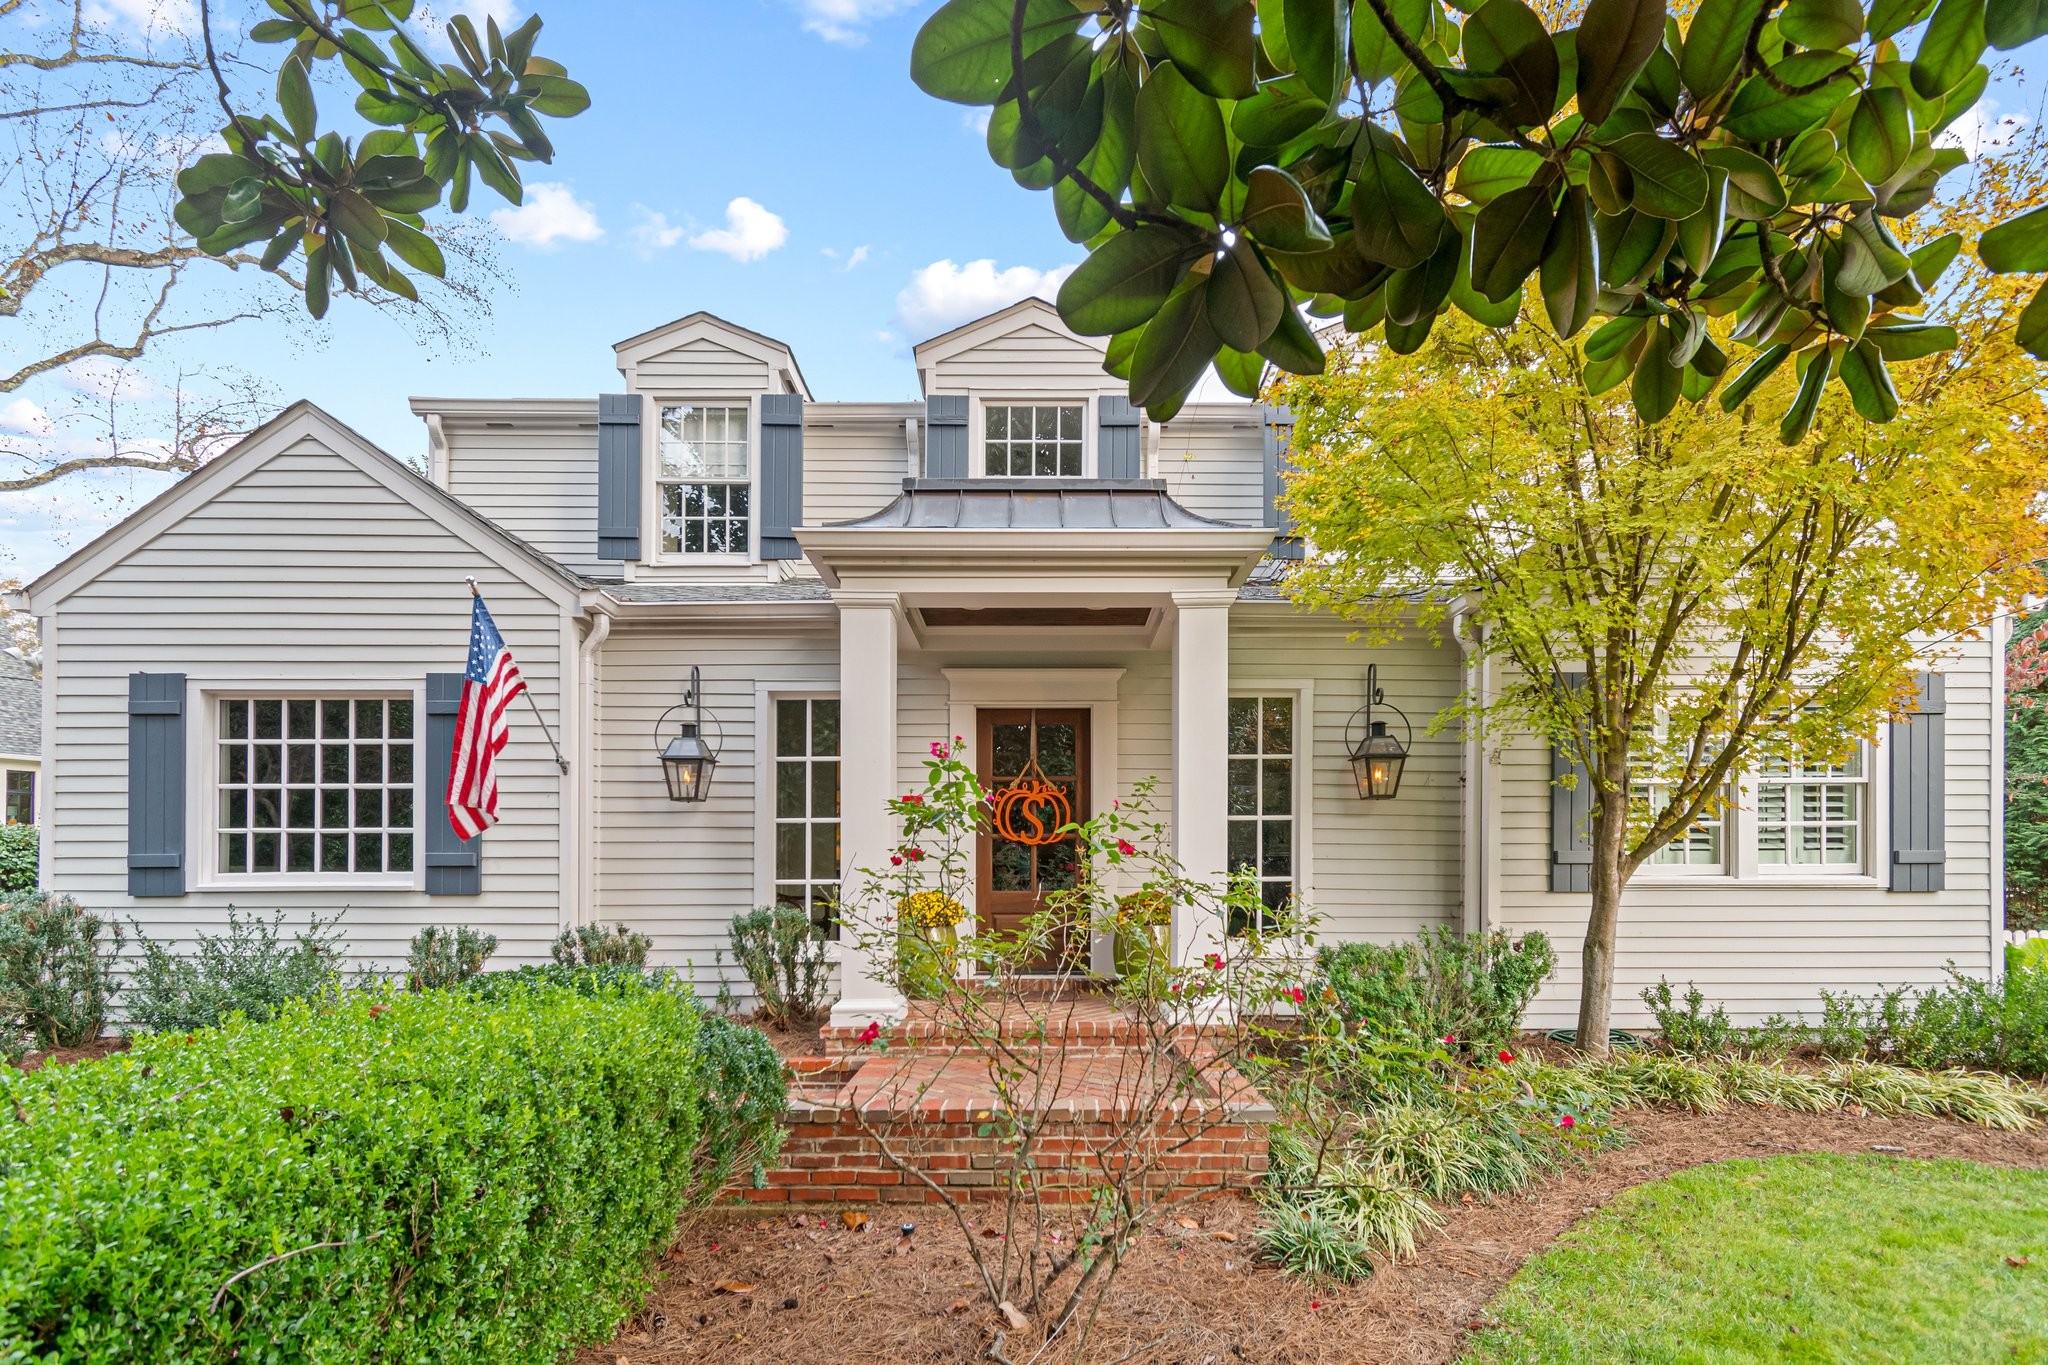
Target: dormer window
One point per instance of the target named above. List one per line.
(706, 479)
(1032, 440)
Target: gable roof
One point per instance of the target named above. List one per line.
(21, 709)
(301, 421)
(776, 355)
(1026, 312)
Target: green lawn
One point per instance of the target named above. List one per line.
(1796, 1258)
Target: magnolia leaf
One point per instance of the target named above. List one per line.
(1183, 151)
(1396, 220)
(1657, 382)
(1755, 193)
(1880, 133)
(1870, 386)
(1475, 305)
(1761, 113)
(1126, 280)
(1699, 234)
(1408, 340)
(1240, 372)
(1610, 337)
(1910, 340)
(1798, 419)
(1714, 43)
(1953, 42)
(1175, 349)
(243, 200)
(1888, 17)
(2018, 245)
(1486, 172)
(1209, 41)
(1312, 41)
(1931, 260)
(1753, 375)
(1244, 302)
(1293, 347)
(1281, 112)
(1602, 375)
(1505, 37)
(1508, 239)
(295, 99)
(962, 53)
(1421, 292)
(1570, 272)
(1339, 270)
(1822, 23)
(415, 248)
(1615, 40)
(1669, 183)
(2032, 332)
(1373, 51)
(2007, 24)
(1277, 212)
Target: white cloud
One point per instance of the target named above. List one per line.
(976, 121)
(750, 232)
(943, 295)
(104, 377)
(434, 18)
(846, 21)
(550, 214)
(151, 16)
(1978, 134)
(25, 417)
(858, 258)
(654, 232)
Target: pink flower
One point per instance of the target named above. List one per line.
(1506, 1056)
(1567, 1122)
(1126, 847)
(1450, 1040)
(871, 1032)
(1175, 988)
(939, 749)
(1213, 961)
(1115, 804)
(1296, 994)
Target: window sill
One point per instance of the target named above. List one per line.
(1786, 880)
(310, 882)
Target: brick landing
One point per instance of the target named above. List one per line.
(931, 1105)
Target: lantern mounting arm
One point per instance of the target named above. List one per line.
(693, 698)
(1376, 698)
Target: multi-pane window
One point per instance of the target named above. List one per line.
(1261, 796)
(1698, 848)
(1036, 440)
(706, 479)
(21, 796)
(1811, 815)
(315, 785)
(807, 808)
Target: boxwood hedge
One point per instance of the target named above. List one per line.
(377, 1176)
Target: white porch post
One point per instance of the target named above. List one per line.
(1201, 743)
(867, 779)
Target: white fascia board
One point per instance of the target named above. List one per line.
(770, 352)
(527, 409)
(1040, 554)
(1027, 312)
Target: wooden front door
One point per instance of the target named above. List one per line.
(1012, 879)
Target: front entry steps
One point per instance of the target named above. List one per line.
(1102, 1096)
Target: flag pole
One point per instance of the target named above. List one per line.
(560, 761)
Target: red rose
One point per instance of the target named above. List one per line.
(871, 1032)
(895, 860)
(1567, 1122)
(1125, 847)
(1295, 993)
(916, 855)
(1506, 1056)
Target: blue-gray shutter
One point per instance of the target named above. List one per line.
(1119, 438)
(1571, 816)
(618, 476)
(455, 866)
(782, 474)
(1917, 745)
(945, 436)
(156, 784)
(1277, 427)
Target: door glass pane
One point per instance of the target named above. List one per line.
(824, 852)
(789, 850)
(825, 791)
(1010, 866)
(825, 728)
(1056, 750)
(789, 790)
(1010, 750)
(789, 729)
(1056, 867)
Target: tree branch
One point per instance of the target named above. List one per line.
(170, 464)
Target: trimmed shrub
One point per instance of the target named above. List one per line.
(1471, 987)
(784, 959)
(252, 970)
(56, 974)
(382, 1175)
(441, 957)
(20, 855)
(593, 945)
(1966, 1023)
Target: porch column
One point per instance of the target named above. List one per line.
(867, 779)
(1201, 744)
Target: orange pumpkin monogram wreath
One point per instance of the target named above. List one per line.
(1031, 810)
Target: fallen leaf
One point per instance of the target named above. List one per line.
(1018, 1322)
(1466, 1198)
(733, 1287)
(2017, 1261)
(990, 1232)
(958, 1306)
(1187, 1222)
(1223, 1236)
(854, 1219)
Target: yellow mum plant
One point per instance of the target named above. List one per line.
(931, 910)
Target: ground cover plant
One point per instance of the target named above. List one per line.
(56, 972)
(458, 1174)
(1817, 1257)
(253, 969)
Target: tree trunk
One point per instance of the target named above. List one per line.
(1596, 980)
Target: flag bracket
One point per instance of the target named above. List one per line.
(560, 762)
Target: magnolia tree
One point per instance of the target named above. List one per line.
(1727, 601)
(1743, 185)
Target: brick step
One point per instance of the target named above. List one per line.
(1077, 1022)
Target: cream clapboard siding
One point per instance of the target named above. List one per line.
(1212, 456)
(1761, 946)
(679, 873)
(1379, 870)
(856, 456)
(1029, 361)
(536, 477)
(702, 368)
(250, 592)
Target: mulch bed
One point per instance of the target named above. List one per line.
(1193, 1296)
(64, 1056)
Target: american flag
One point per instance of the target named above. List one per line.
(488, 686)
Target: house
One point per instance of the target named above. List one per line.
(252, 683)
(21, 739)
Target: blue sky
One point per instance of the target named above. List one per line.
(767, 160)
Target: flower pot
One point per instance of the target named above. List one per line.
(929, 955)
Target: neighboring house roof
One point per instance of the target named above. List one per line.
(1268, 581)
(1034, 504)
(21, 709)
(298, 422)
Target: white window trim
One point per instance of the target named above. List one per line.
(1306, 761)
(202, 738)
(977, 415)
(765, 697)
(650, 456)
